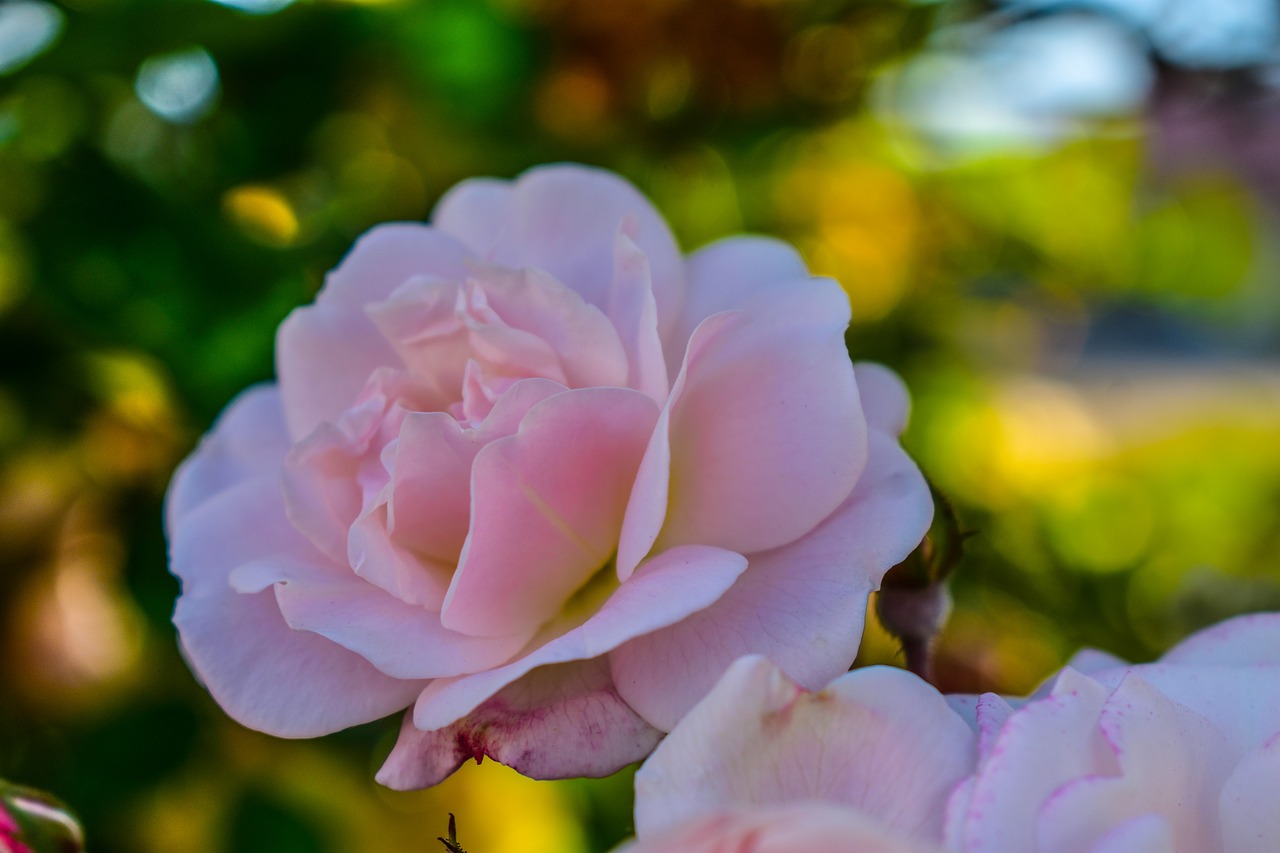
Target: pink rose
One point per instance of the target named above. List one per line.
(866, 764)
(1178, 755)
(536, 475)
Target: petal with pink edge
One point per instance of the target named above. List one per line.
(885, 400)
(563, 219)
(635, 315)
(641, 605)
(326, 352)
(248, 438)
(878, 741)
(263, 673)
(546, 508)
(1149, 833)
(556, 722)
(793, 828)
(1042, 746)
(1251, 639)
(801, 605)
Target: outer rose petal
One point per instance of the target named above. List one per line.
(326, 352)
(546, 507)
(554, 723)
(764, 435)
(1151, 736)
(884, 397)
(877, 741)
(1250, 819)
(644, 603)
(264, 674)
(1147, 834)
(793, 828)
(1253, 639)
(801, 605)
(563, 219)
(248, 438)
(1042, 746)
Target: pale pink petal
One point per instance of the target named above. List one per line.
(547, 506)
(885, 400)
(402, 640)
(1149, 833)
(792, 828)
(1247, 805)
(1238, 700)
(556, 722)
(635, 316)
(1042, 746)
(430, 506)
(1091, 661)
(877, 741)
(1149, 735)
(1252, 639)
(724, 274)
(248, 438)
(643, 604)
(585, 343)
(325, 352)
(264, 674)
(767, 435)
(563, 219)
(801, 605)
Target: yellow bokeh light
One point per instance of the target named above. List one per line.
(262, 213)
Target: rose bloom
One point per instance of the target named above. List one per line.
(1182, 756)
(536, 476)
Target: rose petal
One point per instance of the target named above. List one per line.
(563, 219)
(1252, 639)
(884, 397)
(1042, 746)
(635, 315)
(643, 604)
(556, 722)
(766, 431)
(546, 508)
(1250, 819)
(1149, 833)
(248, 438)
(325, 352)
(264, 674)
(1149, 734)
(801, 605)
(792, 828)
(877, 741)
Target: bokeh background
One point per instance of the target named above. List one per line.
(1057, 220)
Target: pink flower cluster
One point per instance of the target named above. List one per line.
(534, 475)
(1178, 755)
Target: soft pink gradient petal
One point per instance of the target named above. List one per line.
(264, 674)
(547, 505)
(885, 400)
(1253, 639)
(1247, 805)
(801, 605)
(1146, 834)
(402, 640)
(556, 722)
(635, 315)
(767, 435)
(724, 274)
(878, 741)
(248, 439)
(1042, 746)
(325, 352)
(563, 219)
(584, 341)
(792, 828)
(643, 604)
(1150, 736)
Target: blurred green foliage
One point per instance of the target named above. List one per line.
(1090, 342)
